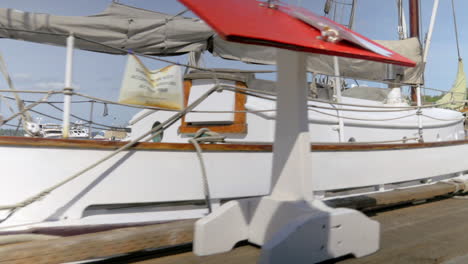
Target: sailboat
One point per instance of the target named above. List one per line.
(118, 183)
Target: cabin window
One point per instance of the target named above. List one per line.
(159, 137)
(234, 122)
(217, 101)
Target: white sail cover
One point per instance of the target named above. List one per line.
(119, 26)
(323, 64)
(148, 32)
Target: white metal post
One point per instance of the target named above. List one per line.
(427, 45)
(435, 7)
(68, 90)
(90, 127)
(291, 156)
(336, 67)
(419, 114)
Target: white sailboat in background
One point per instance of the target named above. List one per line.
(102, 183)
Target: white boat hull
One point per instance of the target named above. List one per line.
(133, 185)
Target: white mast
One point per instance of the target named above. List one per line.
(68, 90)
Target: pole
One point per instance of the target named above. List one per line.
(68, 90)
(435, 7)
(336, 67)
(291, 177)
(402, 30)
(353, 12)
(419, 114)
(90, 119)
(427, 45)
(414, 18)
(414, 32)
(403, 23)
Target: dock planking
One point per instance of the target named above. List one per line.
(98, 245)
(431, 232)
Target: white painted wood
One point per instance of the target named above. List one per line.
(439, 124)
(208, 228)
(288, 231)
(322, 234)
(446, 124)
(163, 176)
(220, 101)
(132, 177)
(376, 167)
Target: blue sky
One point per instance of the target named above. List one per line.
(35, 66)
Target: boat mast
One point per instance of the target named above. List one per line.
(414, 32)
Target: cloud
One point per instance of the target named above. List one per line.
(53, 85)
(22, 77)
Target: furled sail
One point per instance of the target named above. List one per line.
(454, 99)
(323, 64)
(119, 26)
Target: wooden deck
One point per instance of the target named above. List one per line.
(433, 232)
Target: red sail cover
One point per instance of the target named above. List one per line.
(283, 26)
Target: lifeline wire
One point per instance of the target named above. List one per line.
(153, 132)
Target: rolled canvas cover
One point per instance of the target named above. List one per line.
(159, 88)
(323, 64)
(119, 26)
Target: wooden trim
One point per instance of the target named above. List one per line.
(367, 147)
(234, 128)
(111, 145)
(240, 147)
(239, 126)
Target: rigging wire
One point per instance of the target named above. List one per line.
(456, 30)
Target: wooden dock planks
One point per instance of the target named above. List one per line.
(98, 245)
(244, 255)
(433, 232)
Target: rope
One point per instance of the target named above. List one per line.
(20, 104)
(205, 135)
(29, 107)
(362, 119)
(369, 142)
(60, 119)
(441, 91)
(441, 119)
(456, 30)
(83, 119)
(153, 132)
(7, 104)
(253, 92)
(117, 103)
(26, 91)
